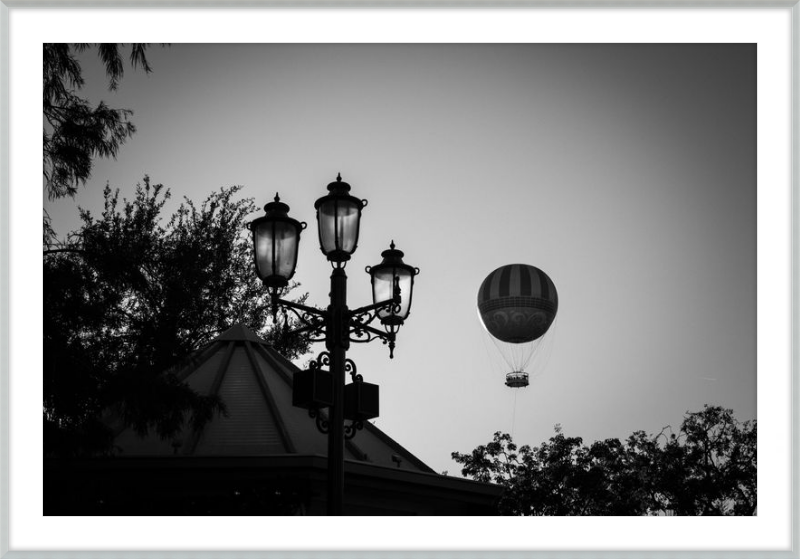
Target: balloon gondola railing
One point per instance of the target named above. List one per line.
(517, 379)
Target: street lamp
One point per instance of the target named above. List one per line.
(390, 275)
(338, 218)
(276, 238)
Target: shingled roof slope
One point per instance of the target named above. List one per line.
(255, 383)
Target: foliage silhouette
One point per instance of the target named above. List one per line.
(127, 298)
(707, 468)
(75, 132)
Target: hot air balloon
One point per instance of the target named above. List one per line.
(517, 304)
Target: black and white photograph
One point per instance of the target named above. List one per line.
(476, 280)
(551, 248)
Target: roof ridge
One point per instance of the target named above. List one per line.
(239, 332)
(192, 436)
(269, 399)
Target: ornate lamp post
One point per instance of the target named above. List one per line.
(276, 238)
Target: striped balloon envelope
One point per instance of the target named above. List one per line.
(517, 304)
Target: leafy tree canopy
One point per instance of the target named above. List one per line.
(707, 468)
(75, 132)
(129, 296)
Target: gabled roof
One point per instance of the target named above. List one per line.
(255, 384)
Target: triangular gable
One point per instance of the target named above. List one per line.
(254, 382)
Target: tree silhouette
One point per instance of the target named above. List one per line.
(707, 468)
(127, 298)
(75, 132)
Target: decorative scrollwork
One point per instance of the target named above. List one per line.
(350, 367)
(323, 425)
(368, 334)
(360, 320)
(322, 360)
(363, 336)
(360, 330)
(350, 430)
(312, 323)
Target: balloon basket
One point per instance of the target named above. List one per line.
(517, 379)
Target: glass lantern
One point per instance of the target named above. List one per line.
(338, 218)
(276, 238)
(390, 274)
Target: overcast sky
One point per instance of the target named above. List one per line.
(626, 172)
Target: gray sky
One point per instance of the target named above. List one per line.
(625, 172)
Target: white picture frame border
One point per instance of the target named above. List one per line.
(6, 551)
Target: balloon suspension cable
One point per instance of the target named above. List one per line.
(514, 415)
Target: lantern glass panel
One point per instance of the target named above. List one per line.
(338, 225)
(383, 289)
(276, 249)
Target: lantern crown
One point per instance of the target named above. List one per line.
(276, 208)
(392, 256)
(338, 186)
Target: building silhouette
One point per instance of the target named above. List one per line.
(263, 457)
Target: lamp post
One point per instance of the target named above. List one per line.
(276, 239)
